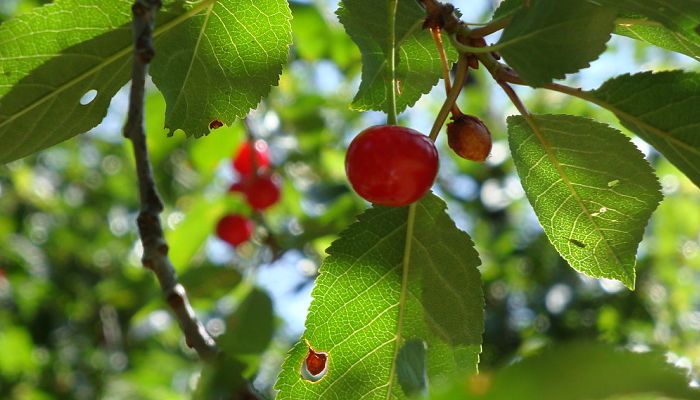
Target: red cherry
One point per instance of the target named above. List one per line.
(234, 229)
(262, 191)
(237, 187)
(243, 162)
(391, 165)
(469, 137)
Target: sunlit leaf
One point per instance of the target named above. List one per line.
(591, 189)
(418, 63)
(62, 63)
(377, 291)
(220, 61)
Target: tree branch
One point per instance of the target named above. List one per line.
(155, 249)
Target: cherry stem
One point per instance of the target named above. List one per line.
(491, 27)
(251, 143)
(445, 66)
(391, 115)
(460, 77)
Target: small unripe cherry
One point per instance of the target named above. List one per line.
(262, 191)
(243, 161)
(391, 165)
(234, 229)
(469, 137)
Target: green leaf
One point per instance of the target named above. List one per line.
(662, 108)
(577, 371)
(551, 38)
(663, 37)
(221, 379)
(411, 366)
(418, 63)
(200, 221)
(55, 55)
(50, 59)
(591, 189)
(220, 61)
(249, 330)
(210, 281)
(682, 16)
(377, 290)
(680, 20)
(506, 9)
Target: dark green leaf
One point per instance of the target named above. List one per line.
(577, 371)
(376, 291)
(507, 8)
(249, 330)
(552, 38)
(418, 63)
(221, 380)
(210, 282)
(591, 189)
(411, 364)
(662, 108)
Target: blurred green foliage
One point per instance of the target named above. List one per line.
(81, 319)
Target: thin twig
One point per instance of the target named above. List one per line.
(460, 77)
(155, 249)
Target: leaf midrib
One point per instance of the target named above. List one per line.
(109, 60)
(411, 218)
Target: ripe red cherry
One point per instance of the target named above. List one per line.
(243, 162)
(262, 191)
(391, 165)
(234, 229)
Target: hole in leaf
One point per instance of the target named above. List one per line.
(215, 124)
(88, 97)
(315, 365)
(614, 183)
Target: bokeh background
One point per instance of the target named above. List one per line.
(81, 319)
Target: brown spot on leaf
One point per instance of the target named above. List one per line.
(315, 365)
(577, 243)
(215, 124)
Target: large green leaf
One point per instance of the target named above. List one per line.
(418, 63)
(680, 20)
(577, 371)
(663, 37)
(48, 60)
(679, 15)
(55, 55)
(591, 189)
(552, 38)
(398, 274)
(663, 109)
(220, 61)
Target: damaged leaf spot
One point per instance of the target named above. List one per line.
(577, 243)
(215, 124)
(315, 365)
